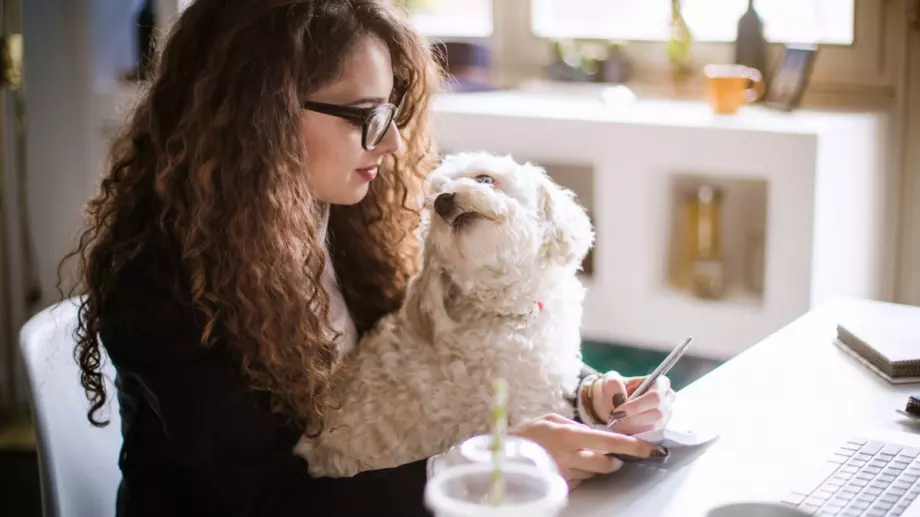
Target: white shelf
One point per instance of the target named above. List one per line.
(824, 179)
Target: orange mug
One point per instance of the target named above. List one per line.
(728, 89)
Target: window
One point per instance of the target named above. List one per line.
(821, 21)
(453, 18)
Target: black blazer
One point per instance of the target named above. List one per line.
(198, 441)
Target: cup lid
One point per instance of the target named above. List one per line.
(552, 496)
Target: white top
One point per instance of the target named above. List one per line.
(338, 312)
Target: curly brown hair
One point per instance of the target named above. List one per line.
(211, 162)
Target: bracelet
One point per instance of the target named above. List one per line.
(587, 397)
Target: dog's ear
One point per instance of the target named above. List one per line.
(425, 300)
(569, 235)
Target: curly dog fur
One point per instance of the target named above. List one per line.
(497, 296)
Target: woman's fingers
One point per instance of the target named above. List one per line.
(660, 398)
(610, 393)
(595, 462)
(607, 442)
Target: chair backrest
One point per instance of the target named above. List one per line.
(78, 462)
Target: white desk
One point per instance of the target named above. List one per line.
(792, 392)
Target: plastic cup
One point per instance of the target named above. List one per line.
(516, 450)
(463, 491)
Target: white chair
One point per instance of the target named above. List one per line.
(78, 462)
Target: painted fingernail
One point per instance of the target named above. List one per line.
(660, 452)
(617, 415)
(619, 399)
(626, 458)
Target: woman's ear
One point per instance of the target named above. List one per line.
(425, 309)
(569, 235)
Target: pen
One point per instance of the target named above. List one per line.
(662, 369)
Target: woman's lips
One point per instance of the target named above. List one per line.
(367, 173)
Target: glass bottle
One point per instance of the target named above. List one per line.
(708, 273)
(750, 44)
(679, 45)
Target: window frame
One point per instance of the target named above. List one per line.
(868, 64)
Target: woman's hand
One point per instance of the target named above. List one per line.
(578, 450)
(647, 412)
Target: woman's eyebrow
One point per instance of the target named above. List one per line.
(368, 100)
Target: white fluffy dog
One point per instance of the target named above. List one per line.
(497, 296)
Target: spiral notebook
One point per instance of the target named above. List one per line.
(883, 336)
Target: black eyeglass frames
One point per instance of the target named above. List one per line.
(375, 121)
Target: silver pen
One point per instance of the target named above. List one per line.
(662, 369)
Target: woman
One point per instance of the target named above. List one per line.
(209, 276)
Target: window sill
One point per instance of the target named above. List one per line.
(657, 86)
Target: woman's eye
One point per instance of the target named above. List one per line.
(482, 178)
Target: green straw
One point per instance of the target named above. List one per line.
(497, 445)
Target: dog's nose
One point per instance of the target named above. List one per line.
(444, 204)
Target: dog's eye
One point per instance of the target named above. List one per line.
(482, 178)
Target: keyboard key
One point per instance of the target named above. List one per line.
(910, 452)
(884, 457)
(875, 492)
(851, 446)
(848, 470)
(910, 478)
(883, 505)
(862, 456)
(897, 465)
(856, 463)
(897, 491)
(876, 513)
(868, 498)
(891, 449)
(886, 478)
(880, 486)
(851, 489)
(834, 483)
(902, 484)
(858, 440)
(825, 493)
(841, 477)
(852, 512)
(892, 471)
(809, 508)
(889, 498)
(795, 499)
(913, 469)
(903, 458)
(818, 501)
(845, 496)
(838, 459)
(859, 482)
(859, 505)
(872, 470)
(872, 448)
(878, 463)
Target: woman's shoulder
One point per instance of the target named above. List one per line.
(146, 313)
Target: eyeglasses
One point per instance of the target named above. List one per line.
(374, 121)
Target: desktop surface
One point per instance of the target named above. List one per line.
(781, 408)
